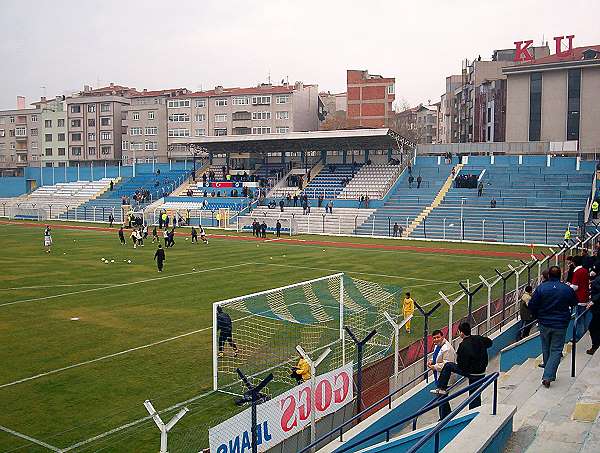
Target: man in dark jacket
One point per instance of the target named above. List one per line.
(159, 256)
(551, 305)
(471, 361)
(224, 325)
(594, 327)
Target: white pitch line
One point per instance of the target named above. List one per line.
(52, 286)
(119, 285)
(98, 359)
(30, 439)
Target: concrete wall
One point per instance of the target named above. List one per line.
(554, 106)
(517, 108)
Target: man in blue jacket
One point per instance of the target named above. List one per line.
(551, 304)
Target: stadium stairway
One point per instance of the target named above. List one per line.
(436, 202)
(405, 203)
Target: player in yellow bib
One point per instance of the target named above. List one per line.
(408, 308)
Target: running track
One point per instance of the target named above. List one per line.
(357, 245)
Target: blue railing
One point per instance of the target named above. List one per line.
(478, 387)
(340, 429)
(435, 432)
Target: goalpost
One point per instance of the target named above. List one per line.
(268, 325)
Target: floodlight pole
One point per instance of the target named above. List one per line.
(504, 279)
(254, 394)
(396, 328)
(164, 428)
(451, 304)
(489, 299)
(470, 293)
(426, 315)
(359, 349)
(313, 384)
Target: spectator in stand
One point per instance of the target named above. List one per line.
(493, 203)
(112, 185)
(329, 206)
(551, 304)
(295, 200)
(594, 327)
(367, 201)
(320, 200)
(587, 261)
(289, 199)
(525, 314)
(411, 179)
(443, 353)
(471, 362)
(480, 189)
(570, 269)
(581, 285)
(281, 205)
(419, 181)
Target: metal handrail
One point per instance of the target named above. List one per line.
(479, 385)
(573, 340)
(363, 412)
(456, 384)
(435, 432)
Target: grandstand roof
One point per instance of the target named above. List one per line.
(350, 139)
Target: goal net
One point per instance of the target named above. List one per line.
(267, 326)
(244, 223)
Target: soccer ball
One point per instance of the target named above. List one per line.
(101, 259)
(129, 261)
(194, 270)
(112, 261)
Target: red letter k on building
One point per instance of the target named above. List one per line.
(522, 50)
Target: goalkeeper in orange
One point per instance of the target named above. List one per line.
(301, 372)
(408, 308)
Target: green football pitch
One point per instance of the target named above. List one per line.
(84, 343)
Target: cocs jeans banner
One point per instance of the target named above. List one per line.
(284, 415)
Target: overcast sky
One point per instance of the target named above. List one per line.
(63, 44)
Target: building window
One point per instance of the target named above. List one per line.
(151, 146)
(2, 133)
(48, 152)
(76, 109)
(282, 130)
(282, 99)
(221, 102)
(135, 116)
(178, 103)
(136, 146)
(91, 108)
(92, 136)
(282, 115)
(390, 89)
(260, 116)
(199, 117)
(91, 150)
(48, 137)
(244, 100)
(152, 130)
(61, 151)
(179, 117)
(106, 150)
(261, 100)
(105, 121)
(150, 115)
(136, 131)
(91, 123)
(61, 123)
(34, 145)
(61, 137)
(535, 106)
(34, 132)
(261, 130)
(200, 103)
(573, 104)
(220, 132)
(20, 131)
(124, 144)
(11, 119)
(200, 132)
(105, 136)
(34, 118)
(47, 124)
(220, 118)
(105, 107)
(179, 132)
(75, 150)
(75, 123)
(76, 137)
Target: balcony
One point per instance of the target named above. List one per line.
(241, 116)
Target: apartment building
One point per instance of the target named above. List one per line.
(556, 99)
(419, 124)
(335, 107)
(144, 124)
(448, 124)
(19, 139)
(53, 132)
(94, 124)
(370, 98)
(264, 109)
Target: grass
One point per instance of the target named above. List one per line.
(121, 306)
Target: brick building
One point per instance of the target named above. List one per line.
(370, 99)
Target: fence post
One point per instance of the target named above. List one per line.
(444, 228)
(489, 299)
(483, 230)
(546, 231)
(451, 304)
(339, 225)
(323, 215)
(255, 395)
(359, 349)
(504, 279)
(67, 206)
(50, 209)
(524, 236)
(355, 220)
(503, 238)
(396, 328)
(389, 226)
(470, 293)
(373, 228)
(164, 427)
(424, 227)
(426, 316)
